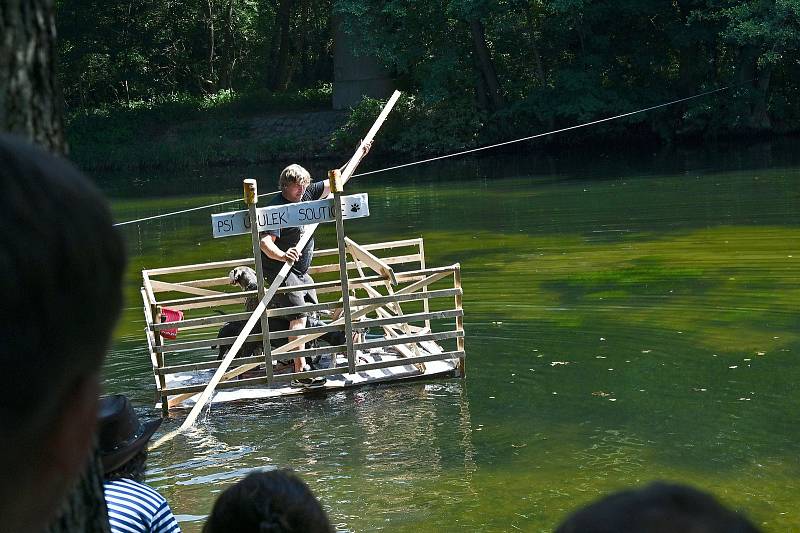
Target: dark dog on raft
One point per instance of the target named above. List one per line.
(245, 277)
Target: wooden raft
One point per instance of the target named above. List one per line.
(383, 287)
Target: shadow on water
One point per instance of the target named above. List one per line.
(629, 317)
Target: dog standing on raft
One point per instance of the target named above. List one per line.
(245, 277)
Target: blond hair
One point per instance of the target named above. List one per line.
(294, 174)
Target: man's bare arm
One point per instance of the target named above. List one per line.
(268, 246)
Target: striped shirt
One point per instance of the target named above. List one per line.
(136, 508)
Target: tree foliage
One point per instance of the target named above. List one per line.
(480, 70)
(143, 49)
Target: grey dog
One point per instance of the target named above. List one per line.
(246, 278)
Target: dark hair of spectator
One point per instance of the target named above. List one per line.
(133, 469)
(657, 508)
(275, 501)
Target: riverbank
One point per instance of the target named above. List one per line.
(179, 133)
(184, 132)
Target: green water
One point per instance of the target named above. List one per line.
(628, 319)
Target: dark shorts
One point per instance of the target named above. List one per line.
(294, 298)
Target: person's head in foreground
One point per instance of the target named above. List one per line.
(274, 501)
(657, 508)
(61, 267)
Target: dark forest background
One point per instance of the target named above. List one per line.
(472, 71)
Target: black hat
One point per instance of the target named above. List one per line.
(120, 433)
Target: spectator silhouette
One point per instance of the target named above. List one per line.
(275, 501)
(132, 505)
(657, 508)
(61, 267)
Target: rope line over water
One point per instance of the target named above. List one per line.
(456, 154)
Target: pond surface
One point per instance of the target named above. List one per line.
(628, 318)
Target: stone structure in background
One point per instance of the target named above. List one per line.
(355, 76)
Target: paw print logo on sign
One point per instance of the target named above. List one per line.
(355, 208)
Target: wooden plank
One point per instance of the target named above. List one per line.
(250, 261)
(385, 245)
(151, 314)
(148, 288)
(191, 367)
(179, 394)
(363, 255)
(462, 370)
(240, 297)
(443, 356)
(374, 322)
(395, 260)
(151, 341)
(345, 288)
(389, 331)
(163, 286)
(212, 320)
(425, 303)
(205, 343)
(205, 304)
(274, 312)
(200, 266)
(207, 282)
(251, 199)
(315, 331)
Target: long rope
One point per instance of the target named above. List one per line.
(464, 152)
(546, 133)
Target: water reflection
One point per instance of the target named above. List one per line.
(400, 441)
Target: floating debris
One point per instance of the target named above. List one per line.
(601, 394)
(554, 363)
(733, 366)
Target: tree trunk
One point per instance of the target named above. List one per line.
(30, 98)
(208, 81)
(85, 509)
(759, 118)
(230, 50)
(279, 76)
(31, 106)
(483, 60)
(758, 85)
(537, 58)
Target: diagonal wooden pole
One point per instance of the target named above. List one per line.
(276, 283)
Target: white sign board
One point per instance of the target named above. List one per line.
(288, 215)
